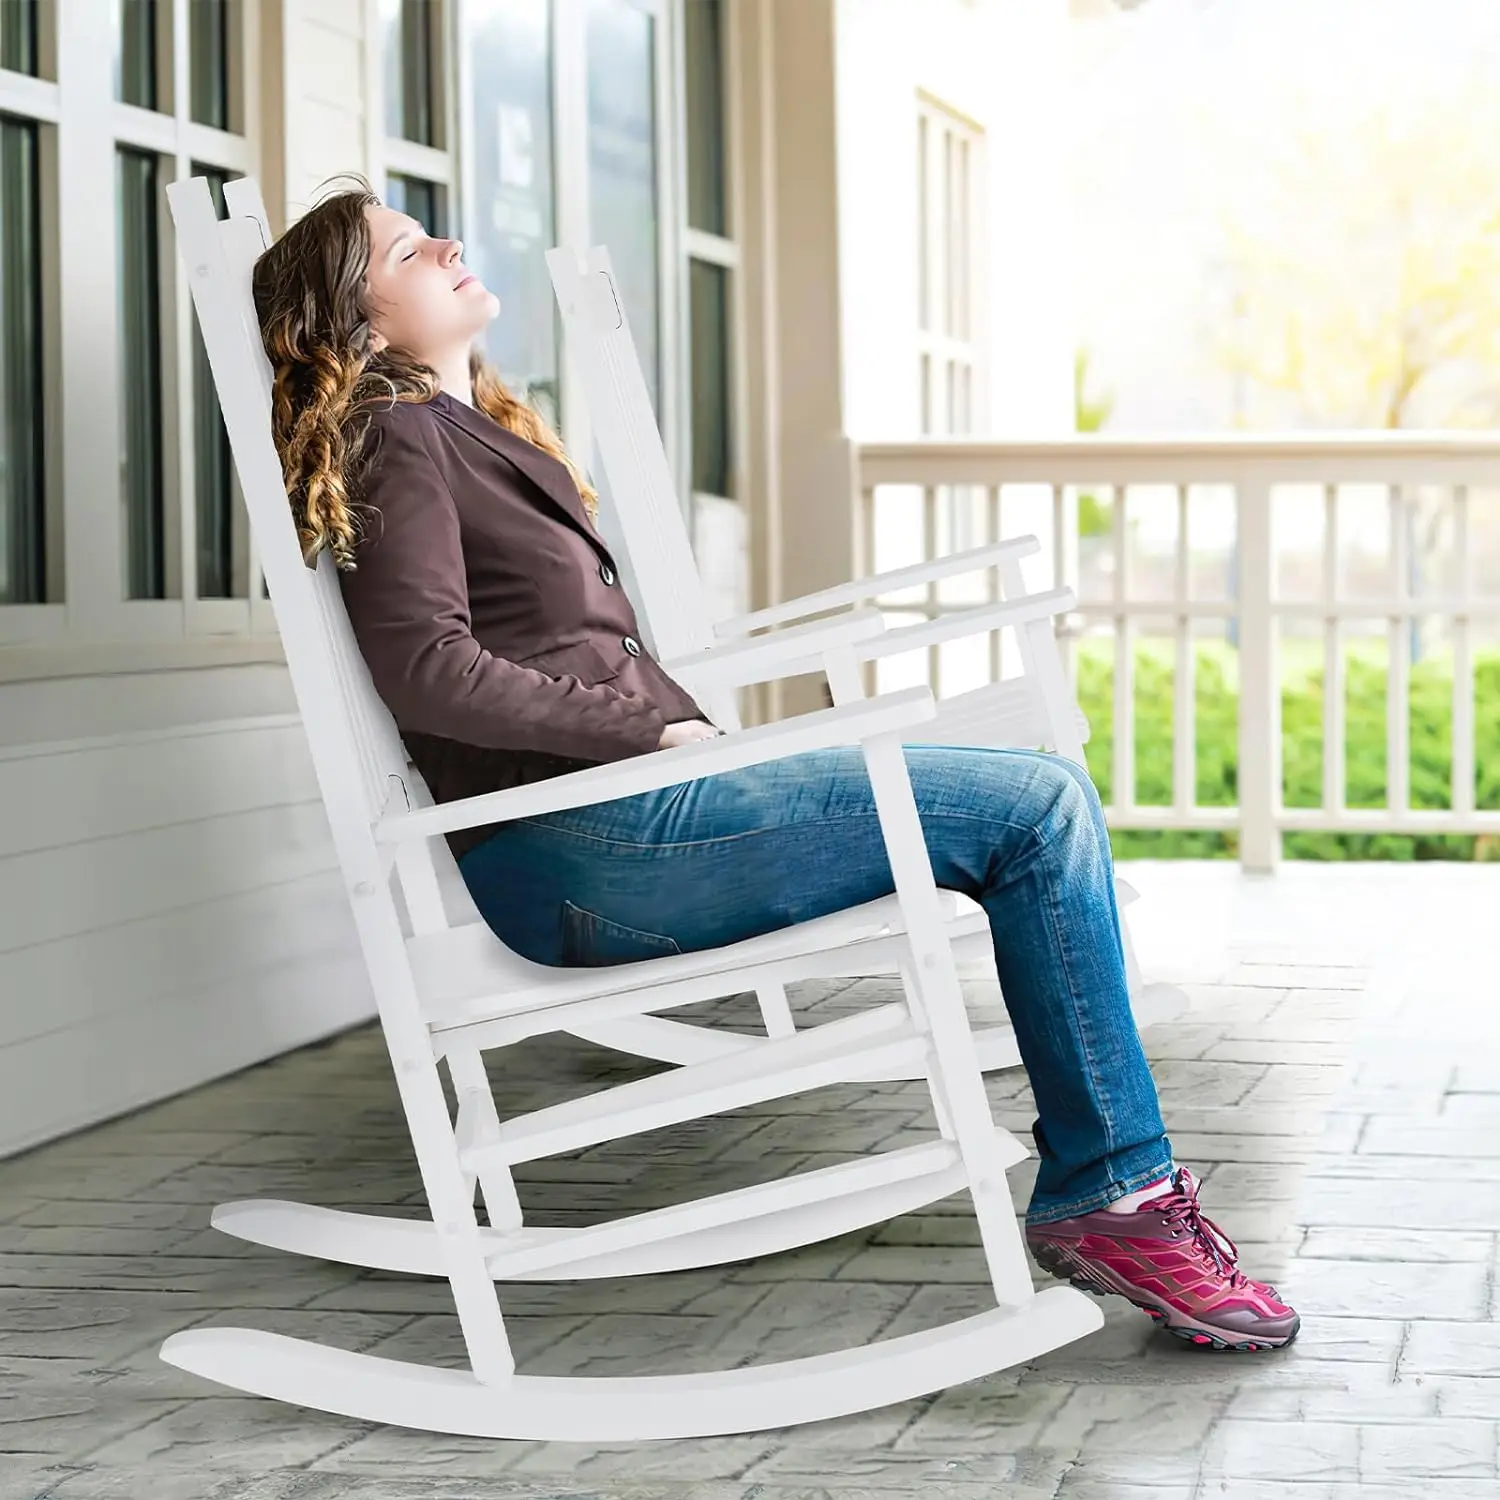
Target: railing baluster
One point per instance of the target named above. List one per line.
(1124, 747)
(1065, 574)
(1334, 750)
(1260, 700)
(929, 551)
(993, 534)
(1398, 654)
(1463, 663)
(1184, 684)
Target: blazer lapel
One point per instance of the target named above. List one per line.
(545, 473)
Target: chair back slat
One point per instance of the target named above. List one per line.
(355, 746)
(637, 477)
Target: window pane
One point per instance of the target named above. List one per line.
(22, 531)
(140, 376)
(18, 35)
(423, 200)
(135, 56)
(704, 43)
(511, 222)
(708, 300)
(208, 61)
(213, 469)
(622, 164)
(409, 36)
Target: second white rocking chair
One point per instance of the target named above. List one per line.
(713, 659)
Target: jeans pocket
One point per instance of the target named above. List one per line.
(594, 942)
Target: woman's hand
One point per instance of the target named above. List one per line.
(686, 733)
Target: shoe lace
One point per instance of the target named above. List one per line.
(1181, 1211)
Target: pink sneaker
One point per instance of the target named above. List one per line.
(1175, 1265)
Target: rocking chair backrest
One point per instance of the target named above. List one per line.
(637, 477)
(356, 749)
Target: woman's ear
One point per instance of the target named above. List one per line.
(378, 342)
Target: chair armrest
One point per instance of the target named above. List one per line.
(879, 584)
(986, 617)
(785, 653)
(851, 724)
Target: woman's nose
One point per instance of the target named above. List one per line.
(452, 251)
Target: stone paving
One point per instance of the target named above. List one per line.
(1337, 1084)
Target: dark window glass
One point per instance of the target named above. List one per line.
(622, 166)
(18, 35)
(421, 199)
(22, 497)
(140, 374)
(708, 303)
(704, 49)
(213, 477)
(511, 224)
(208, 62)
(411, 54)
(135, 55)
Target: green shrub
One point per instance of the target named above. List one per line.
(1216, 691)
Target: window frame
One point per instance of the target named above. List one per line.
(83, 127)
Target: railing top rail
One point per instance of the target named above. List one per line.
(1331, 457)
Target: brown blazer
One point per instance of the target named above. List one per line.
(490, 612)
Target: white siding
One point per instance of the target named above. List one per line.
(324, 93)
(170, 909)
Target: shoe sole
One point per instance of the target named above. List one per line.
(1056, 1261)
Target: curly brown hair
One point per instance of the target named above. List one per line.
(311, 299)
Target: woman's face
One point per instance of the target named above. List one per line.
(422, 298)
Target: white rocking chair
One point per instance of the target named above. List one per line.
(713, 659)
(445, 993)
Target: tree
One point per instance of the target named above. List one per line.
(1364, 272)
(1364, 263)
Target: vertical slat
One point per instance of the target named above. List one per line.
(869, 670)
(1334, 751)
(1124, 685)
(1463, 663)
(992, 534)
(1065, 573)
(1398, 676)
(929, 551)
(1260, 702)
(1184, 686)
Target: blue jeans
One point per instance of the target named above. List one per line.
(738, 855)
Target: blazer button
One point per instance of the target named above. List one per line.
(607, 573)
(632, 645)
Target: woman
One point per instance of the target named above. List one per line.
(495, 629)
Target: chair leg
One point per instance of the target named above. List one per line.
(496, 1185)
(939, 1011)
(775, 1010)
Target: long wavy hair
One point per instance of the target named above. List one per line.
(312, 300)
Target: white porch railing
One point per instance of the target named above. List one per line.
(1002, 488)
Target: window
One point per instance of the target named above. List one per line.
(712, 254)
(22, 496)
(509, 212)
(622, 166)
(138, 285)
(183, 538)
(18, 36)
(949, 336)
(562, 130)
(948, 179)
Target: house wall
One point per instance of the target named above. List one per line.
(1002, 66)
(170, 908)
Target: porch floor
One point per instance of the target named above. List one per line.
(1338, 1085)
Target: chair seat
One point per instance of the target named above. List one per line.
(466, 974)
